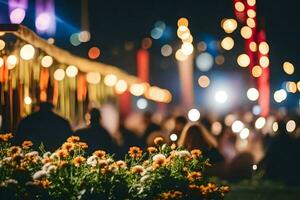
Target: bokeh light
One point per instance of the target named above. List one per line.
(246, 32)
(146, 43)
(216, 128)
(166, 50)
(219, 59)
(243, 60)
(193, 115)
(1, 62)
(110, 80)
(2, 45)
(183, 22)
(137, 89)
(173, 137)
(263, 48)
(290, 126)
(27, 100)
(94, 53)
(252, 94)
(93, 77)
(59, 74)
(201, 46)
(121, 86)
(203, 81)
(43, 21)
(17, 15)
(275, 127)
(227, 43)
(71, 71)
(180, 56)
(256, 71)
(251, 13)
(142, 103)
(256, 110)
(11, 61)
(229, 25)
(280, 95)
(204, 61)
(264, 61)
(27, 52)
(250, 22)
(291, 87)
(74, 39)
(260, 123)
(251, 2)
(239, 6)
(244, 134)
(288, 68)
(237, 126)
(221, 96)
(187, 48)
(84, 36)
(47, 61)
(253, 46)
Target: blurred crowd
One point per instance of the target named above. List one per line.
(238, 144)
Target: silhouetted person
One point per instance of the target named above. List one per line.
(180, 123)
(129, 139)
(150, 127)
(95, 135)
(44, 126)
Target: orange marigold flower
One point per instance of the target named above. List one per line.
(152, 150)
(78, 161)
(68, 146)
(27, 144)
(62, 164)
(121, 164)
(15, 150)
(5, 137)
(193, 176)
(196, 153)
(73, 139)
(62, 153)
(159, 160)
(82, 145)
(135, 152)
(158, 140)
(100, 154)
(138, 169)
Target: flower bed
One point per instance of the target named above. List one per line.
(161, 172)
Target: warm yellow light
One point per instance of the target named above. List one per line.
(251, 13)
(253, 46)
(188, 40)
(110, 80)
(183, 22)
(243, 60)
(59, 74)
(291, 87)
(252, 94)
(246, 32)
(47, 61)
(27, 100)
(203, 81)
(250, 22)
(239, 6)
(263, 48)
(2, 45)
(11, 61)
(260, 123)
(93, 77)
(27, 52)
(227, 43)
(256, 71)
(183, 33)
(229, 25)
(180, 56)
(251, 2)
(71, 71)
(288, 68)
(290, 126)
(137, 89)
(2, 33)
(187, 48)
(298, 86)
(264, 61)
(275, 127)
(280, 95)
(121, 86)
(1, 62)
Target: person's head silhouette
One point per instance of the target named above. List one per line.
(95, 116)
(46, 107)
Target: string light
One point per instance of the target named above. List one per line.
(59, 74)
(227, 43)
(110, 80)
(229, 25)
(264, 61)
(243, 60)
(253, 46)
(263, 48)
(256, 71)
(11, 61)
(290, 126)
(252, 94)
(194, 115)
(71, 71)
(47, 61)
(203, 81)
(288, 68)
(27, 52)
(93, 77)
(246, 32)
(239, 6)
(121, 86)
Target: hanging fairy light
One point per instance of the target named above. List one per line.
(256, 71)
(137, 89)
(27, 100)
(243, 60)
(253, 46)
(227, 43)
(260, 123)
(264, 61)
(45, 17)
(93, 77)
(27, 52)
(47, 61)
(246, 32)
(288, 68)
(252, 94)
(263, 48)
(121, 86)
(71, 71)
(59, 74)
(2, 45)
(229, 25)
(11, 61)
(239, 6)
(110, 80)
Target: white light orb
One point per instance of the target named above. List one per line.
(237, 126)
(2, 45)
(256, 110)
(59, 74)
(290, 126)
(11, 61)
(173, 137)
(93, 77)
(17, 15)
(194, 115)
(260, 123)
(280, 95)
(43, 21)
(110, 80)
(252, 94)
(71, 71)
(27, 52)
(166, 50)
(244, 134)
(275, 127)
(142, 103)
(137, 89)
(121, 86)
(254, 167)
(204, 62)
(221, 96)
(187, 48)
(47, 61)
(27, 100)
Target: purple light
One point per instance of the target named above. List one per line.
(17, 15)
(17, 10)
(45, 17)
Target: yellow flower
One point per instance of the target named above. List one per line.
(121, 164)
(14, 151)
(68, 146)
(158, 140)
(100, 154)
(5, 137)
(223, 190)
(193, 176)
(135, 152)
(62, 164)
(78, 161)
(152, 150)
(138, 169)
(27, 144)
(82, 145)
(159, 160)
(73, 139)
(62, 153)
(196, 153)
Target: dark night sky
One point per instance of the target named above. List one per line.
(114, 22)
